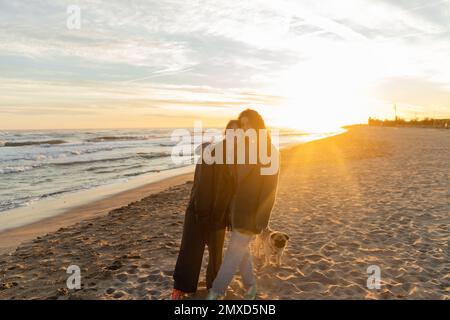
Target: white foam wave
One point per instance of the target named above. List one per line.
(9, 170)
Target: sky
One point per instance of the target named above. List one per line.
(309, 65)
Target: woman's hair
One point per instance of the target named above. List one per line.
(232, 123)
(257, 123)
(255, 119)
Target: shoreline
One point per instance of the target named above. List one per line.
(26, 223)
(51, 207)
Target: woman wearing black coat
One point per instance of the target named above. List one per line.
(250, 211)
(206, 219)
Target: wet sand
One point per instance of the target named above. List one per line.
(11, 238)
(371, 196)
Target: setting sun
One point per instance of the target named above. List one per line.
(322, 96)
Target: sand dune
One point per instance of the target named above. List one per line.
(372, 196)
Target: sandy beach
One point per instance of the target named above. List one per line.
(371, 196)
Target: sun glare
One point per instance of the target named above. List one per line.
(324, 94)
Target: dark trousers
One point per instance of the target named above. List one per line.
(189, 262)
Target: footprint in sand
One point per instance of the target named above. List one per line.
(118, 294)
(110, 290)
(115, 266)
(123, 277)
(133, 270)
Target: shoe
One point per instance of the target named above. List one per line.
(212, 295)
(178, 294)
(251, 293)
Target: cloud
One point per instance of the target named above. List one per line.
(104, 96)
(207, 53)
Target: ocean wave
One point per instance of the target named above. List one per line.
(52, 194)
(153, 155)
(89, 161)
(46, 160)
(150, 155)
(113, 169)
(106, 168)
(168, 144)
(30, 143)
(81, 151)
(134, 174)
(9, 170)
(117, 138)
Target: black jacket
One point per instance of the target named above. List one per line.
(211, 194)
(223, 193)
(254, 198)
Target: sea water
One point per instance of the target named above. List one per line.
(36, 165)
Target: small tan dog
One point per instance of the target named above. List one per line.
(272, 243)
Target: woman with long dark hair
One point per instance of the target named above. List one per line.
(250, 210)
(205, 222)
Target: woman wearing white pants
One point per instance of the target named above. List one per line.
(250, 212)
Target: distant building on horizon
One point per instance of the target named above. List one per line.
(399, 122)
